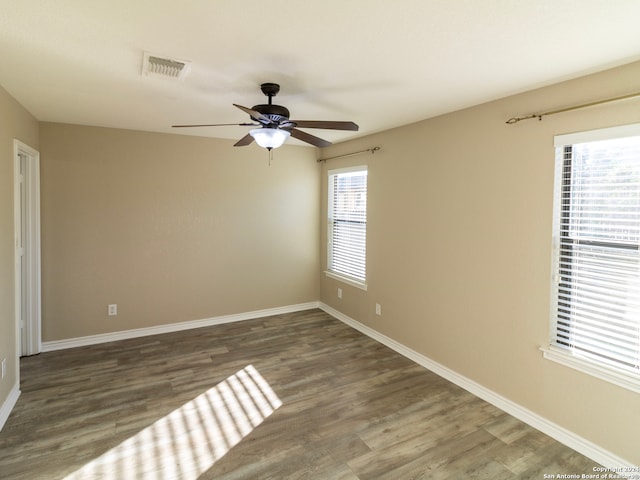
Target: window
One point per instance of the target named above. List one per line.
(596, 288)
(347, 229)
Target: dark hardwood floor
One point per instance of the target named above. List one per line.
(296, 396)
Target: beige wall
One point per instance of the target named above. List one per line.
(15, 123)
(459, 246)
(171, 228)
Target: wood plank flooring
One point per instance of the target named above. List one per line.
(296, 396)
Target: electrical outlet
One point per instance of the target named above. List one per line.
(112, 309)
(4, 367)
(339, 293)
(378, 309)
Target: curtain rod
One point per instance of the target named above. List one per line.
(539, 116)
(372, 150)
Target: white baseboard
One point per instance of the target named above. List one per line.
(562, 435)
(8, 405)
(172, 327)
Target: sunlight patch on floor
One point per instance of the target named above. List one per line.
(188, 441)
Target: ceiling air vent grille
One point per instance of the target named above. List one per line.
(164, 67)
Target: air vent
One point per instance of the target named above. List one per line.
(164, 67)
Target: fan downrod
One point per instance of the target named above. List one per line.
(276, 113)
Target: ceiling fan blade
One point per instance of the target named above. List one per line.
(220, 125)
(254, 114)
(308, 138)
(244, 141)
(327, 125)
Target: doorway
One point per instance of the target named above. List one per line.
(27, 251)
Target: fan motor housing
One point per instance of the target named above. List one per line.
(274, 112)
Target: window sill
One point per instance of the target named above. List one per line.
(623, 379)
(350, 281)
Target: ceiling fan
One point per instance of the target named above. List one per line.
(275, 126)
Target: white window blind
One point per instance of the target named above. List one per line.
(347, 230)
(596, 256)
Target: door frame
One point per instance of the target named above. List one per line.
(31, 344)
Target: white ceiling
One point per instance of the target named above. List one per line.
(380, 63)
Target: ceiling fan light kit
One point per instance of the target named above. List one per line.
(275, 126)
(269, 137)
